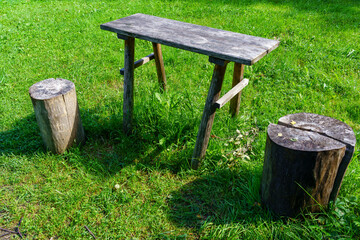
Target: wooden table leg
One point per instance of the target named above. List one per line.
(208, 115)
(159, 66)
(237, 77)
(128, 85)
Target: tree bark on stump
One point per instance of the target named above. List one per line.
(57, 114)
(306, 157)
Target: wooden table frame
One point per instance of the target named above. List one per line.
(221, 46)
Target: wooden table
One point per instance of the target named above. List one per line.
(221, 46)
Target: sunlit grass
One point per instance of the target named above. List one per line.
(315, 69)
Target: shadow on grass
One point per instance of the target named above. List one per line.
(220, 198)
(340, 14)
(24, 138)
(321, 6)
(112, 149)
(107, 149)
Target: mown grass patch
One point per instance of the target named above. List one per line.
(315, 69)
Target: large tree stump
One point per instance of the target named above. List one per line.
(57, 113)
(306, 157)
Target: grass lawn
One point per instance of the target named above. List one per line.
(315, 69)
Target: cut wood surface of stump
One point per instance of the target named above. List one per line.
(57, 113)
(306, 157)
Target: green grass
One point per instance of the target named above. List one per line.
(315, 69)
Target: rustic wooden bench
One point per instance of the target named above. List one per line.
(221, 46)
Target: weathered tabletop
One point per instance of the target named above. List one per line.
(230, 46)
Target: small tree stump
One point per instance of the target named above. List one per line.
(57, 113)
(306, 157)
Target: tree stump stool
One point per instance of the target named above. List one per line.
(306, 157)
(57, 113)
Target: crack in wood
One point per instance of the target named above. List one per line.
(317, 161)
(310, 130)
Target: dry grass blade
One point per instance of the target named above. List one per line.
(5, 234)
(18, 228)
(90, 232)
(6, 230)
